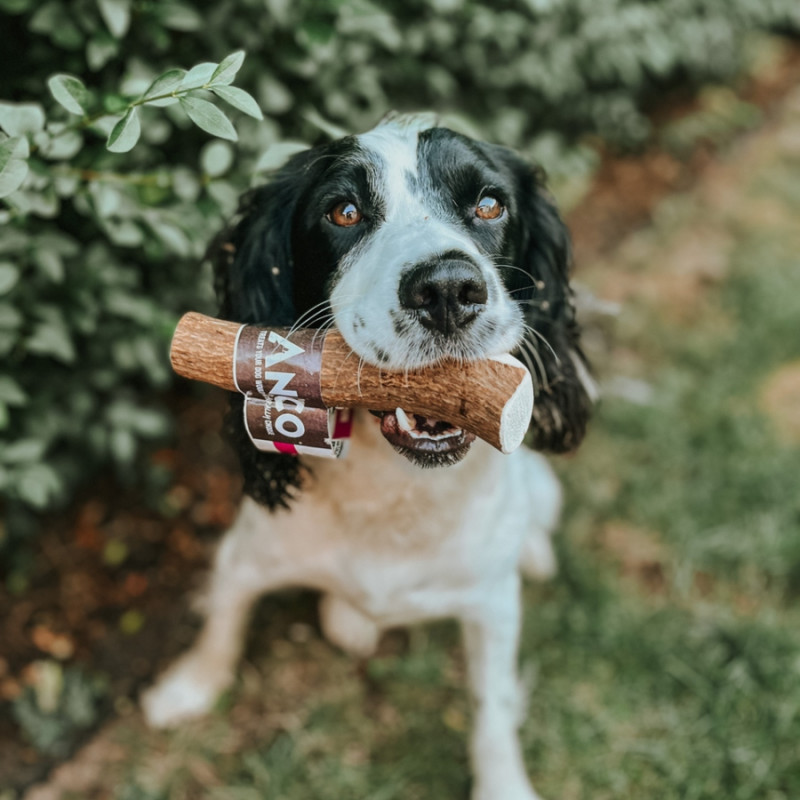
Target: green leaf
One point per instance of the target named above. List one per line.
(225, 196)
(185, 184)
(52, 339)
(17, 119)
(198, 76)
(125, 133)
(24, 450)
(10, 317)
(13, 166)
(122, 445)
(227, 69)
(208, 117)
(216, 158)
(326, 126)
(50, 264)
(38, 485)
(240, 99)
(100, 49)
(11, 393)
(179, 17)
(16, 147)
(39, 199)
(59, 144)
(108, 199)
(173, 238)
(116, 15)
(125, 233)
(166, 83)
(9, 275)
(70, 92)
(15, 6)
(277, 155)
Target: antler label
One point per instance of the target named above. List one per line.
(280, 378)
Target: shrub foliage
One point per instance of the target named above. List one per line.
(129, 128)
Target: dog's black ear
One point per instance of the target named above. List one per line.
(253, 268)
(252, 257)
(564, 389)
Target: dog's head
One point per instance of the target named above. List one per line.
(419, 244)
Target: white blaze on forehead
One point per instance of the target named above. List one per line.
(394, 148)
(416, 223)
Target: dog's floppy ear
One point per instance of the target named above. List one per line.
(564, 389)
(252, 257)
(253, 267)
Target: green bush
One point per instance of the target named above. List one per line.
(111, 192)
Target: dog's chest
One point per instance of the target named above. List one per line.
(401, 543)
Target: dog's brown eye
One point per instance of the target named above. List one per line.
(345, 214)
(489, 208)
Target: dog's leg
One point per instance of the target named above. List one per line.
(491, 633)
(191, 685)
(347, 627)
(537, 559)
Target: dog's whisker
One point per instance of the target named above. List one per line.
(312, 314)
(322, 329)
(514, 267)
(304, 320)
(358, 375)
(523, 289)
(528, 347)
(313, 321)
(526, 359)
(533, 362)
(547, 344)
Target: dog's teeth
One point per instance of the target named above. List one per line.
(409, 426)
(403, 421)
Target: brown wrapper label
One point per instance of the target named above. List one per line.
(283, 425)
(279, 363)
(278, 371)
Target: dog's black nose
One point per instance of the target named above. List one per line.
(447, 294)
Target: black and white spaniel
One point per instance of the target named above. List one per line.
(417, 243)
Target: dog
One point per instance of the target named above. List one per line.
(418, 244)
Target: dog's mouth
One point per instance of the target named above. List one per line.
(425, 441)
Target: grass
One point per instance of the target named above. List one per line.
(664, 661)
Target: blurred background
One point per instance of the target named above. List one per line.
(664, 660)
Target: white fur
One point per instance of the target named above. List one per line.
(363, 533)
(416, 229)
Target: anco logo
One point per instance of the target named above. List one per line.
(284, 400)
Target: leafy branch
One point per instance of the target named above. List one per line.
(28, 133)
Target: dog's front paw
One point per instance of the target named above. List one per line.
(537, 559)
(185, 691)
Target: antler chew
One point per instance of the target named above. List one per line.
(492, 398)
